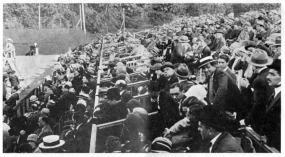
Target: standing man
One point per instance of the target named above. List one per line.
(272, 122)
(10, 49)
(223, 63)
(222, 90)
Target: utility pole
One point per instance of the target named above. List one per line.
(124, 21)
(39, 16)
(83, 16)
(80, 16)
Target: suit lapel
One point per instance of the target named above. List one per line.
(216, 144)
(272, 104)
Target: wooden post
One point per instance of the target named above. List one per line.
(39, 16)
(83, 16)
(92, 148)
(124, 21)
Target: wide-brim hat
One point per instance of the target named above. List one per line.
(259, 58)
(167, 64)
(213, 116)
(206, 60)
(219, 31)
(51, 141)
(182, 71)
(156, 66)
(183, 39)
(113, 94)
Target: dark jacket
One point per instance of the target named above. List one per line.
(272, 122)
(226, 93)
(170, 81)
(205, 52)
(126, 97)
(232, 74)
(43, 132)
(14, 81)
(226, 143)
(261, 94)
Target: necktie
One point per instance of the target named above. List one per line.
(211, 90)
(271, 98)
(209, 145)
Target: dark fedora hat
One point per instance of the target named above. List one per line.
(213, 116)
(276, 65)
(182, 71)
(113, 94)
(259, 58)
(167, 64)
(205, 61)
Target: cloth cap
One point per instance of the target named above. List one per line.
(32, 137)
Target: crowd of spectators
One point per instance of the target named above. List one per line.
(208, 76)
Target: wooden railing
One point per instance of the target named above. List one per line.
(23, 104)
(259, 146)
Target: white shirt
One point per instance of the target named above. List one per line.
(122, 92)
(261, 69)
(214, 140)
(225, 69)
(277, 90)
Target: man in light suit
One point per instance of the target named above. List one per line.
(272, 122)
(213, 126)
(45, 129)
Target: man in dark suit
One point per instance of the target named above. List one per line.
(169, 72)
(125, 95)
(213, 126)
(272, 122)
(223, 63)
(259, 87)
(222, 89)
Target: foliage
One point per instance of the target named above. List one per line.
(108, 17)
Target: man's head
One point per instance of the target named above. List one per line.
(223, 61)
(258, 37)
(209, 68)
(274, 75)
(176, 92)
(65, 88)
(212, 121)
(259, 59)
(168, 69)
(43, 121)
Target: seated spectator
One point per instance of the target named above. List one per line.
(113, 145)
(213, 129)
(44, 128)
(161, 145)
(134, 134)
(51, 144)
(125, 95)
(33, 142)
